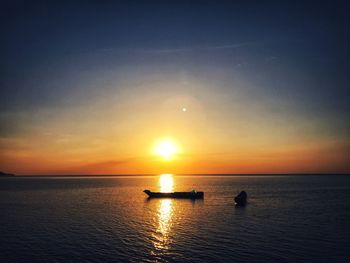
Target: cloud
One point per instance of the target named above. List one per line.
(200, 48)
(103, 167)
(177, 50)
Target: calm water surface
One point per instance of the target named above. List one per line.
(287, 219)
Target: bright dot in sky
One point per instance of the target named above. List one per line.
(184, 109)
(166, 148)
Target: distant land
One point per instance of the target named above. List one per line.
(2, 174)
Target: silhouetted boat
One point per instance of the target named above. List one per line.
(192, 195)
(241, 199)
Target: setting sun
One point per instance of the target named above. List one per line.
(166, 148)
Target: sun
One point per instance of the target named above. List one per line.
(166, 148)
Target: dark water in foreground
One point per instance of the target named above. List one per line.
(288, 219)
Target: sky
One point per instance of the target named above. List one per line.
(89, 87)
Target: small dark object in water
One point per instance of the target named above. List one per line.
(241, 199)
(192, 195)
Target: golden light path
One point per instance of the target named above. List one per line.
(165, 213)
(166, 183)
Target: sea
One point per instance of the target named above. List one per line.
(295, 218)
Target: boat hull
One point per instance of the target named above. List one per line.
(188, 195)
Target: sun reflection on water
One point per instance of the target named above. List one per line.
(166, 183)
(164, 223)
(165, 214)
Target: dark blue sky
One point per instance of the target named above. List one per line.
(311, 37)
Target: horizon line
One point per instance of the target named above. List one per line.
(182, 174)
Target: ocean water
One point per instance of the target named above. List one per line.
(110, 219)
